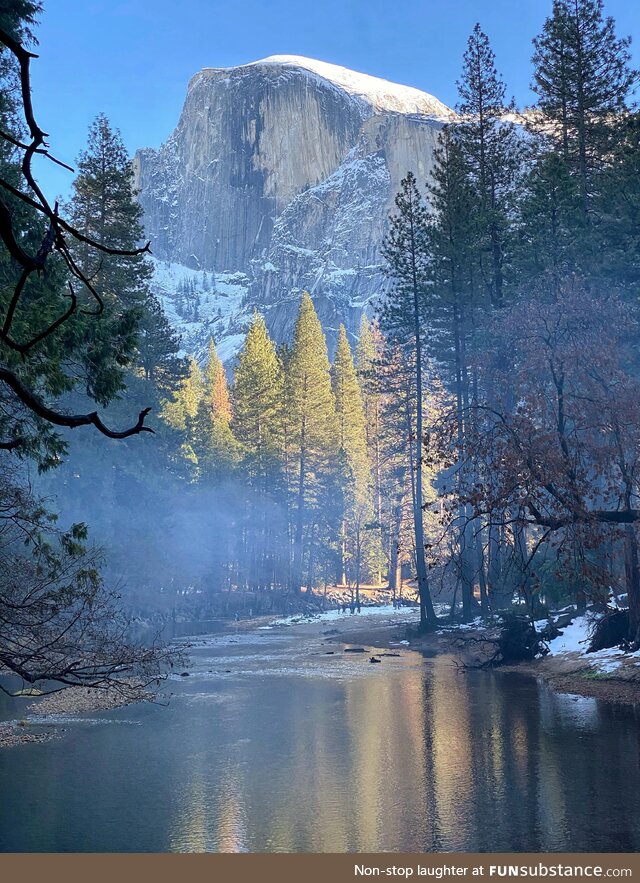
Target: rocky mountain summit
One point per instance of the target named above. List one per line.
(279, 177)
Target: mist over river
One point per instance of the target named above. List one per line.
(279, 741)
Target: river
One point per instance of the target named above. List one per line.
(281, 742)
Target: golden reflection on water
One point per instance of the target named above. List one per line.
(197, 831)
(301, 751)
(419, 758)
(386, 726)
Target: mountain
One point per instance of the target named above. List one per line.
(279, 177)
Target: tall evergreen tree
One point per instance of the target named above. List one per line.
(491, 147)
(368, 356)
(257, 402)
(402, 316)
(216, 385)
(312, 427)
(103, 207)
(214, 443)
(549, 226)
(618, 210)
(158, 347)
(582, 78)
(216, 449)
(257, 423)
(184, 404)
(352, 441)
(394, 378)
(452, 243)
(91, 349)
(453, 246)
(352, 438)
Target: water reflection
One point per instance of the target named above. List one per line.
(411, 755)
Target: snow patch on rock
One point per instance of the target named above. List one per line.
(201, 305)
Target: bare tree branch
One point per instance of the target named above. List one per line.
(71, 421)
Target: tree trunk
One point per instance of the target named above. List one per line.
(311, 560)
(632, 570)
(484, 600)
(464, 521)
(394, 551)
(494, 568)
(427, 613)
(296, 579)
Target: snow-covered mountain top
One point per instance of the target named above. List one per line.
(383, 95)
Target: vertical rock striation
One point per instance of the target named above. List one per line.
(280, 176)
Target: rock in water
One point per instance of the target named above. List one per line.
(279, 177)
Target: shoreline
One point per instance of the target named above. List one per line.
(570, 672)
(36, 725)
(564, 672)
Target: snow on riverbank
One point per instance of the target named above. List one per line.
(572, 643)
(400, 614)
(575, 640)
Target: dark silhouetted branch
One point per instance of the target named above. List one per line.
(69, 420)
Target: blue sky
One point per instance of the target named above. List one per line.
(132, 60)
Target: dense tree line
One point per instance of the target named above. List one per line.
(524, 244)
(291, 441)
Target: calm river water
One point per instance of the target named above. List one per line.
(272, 745)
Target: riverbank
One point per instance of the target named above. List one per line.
(611, 675)
(36, 725)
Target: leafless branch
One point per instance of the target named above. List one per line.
(69, 420)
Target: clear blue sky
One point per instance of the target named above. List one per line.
(132, 59)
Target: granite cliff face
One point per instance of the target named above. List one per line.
(279, 177)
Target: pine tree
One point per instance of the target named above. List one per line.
(311, 426)
(395, 382)
(349, 409)
(257, 402)
(491, 149)
(402, 316)
(582, 78)
(366, 363)
(549, 226)
(158, 347)
(368, 355)
(618, 209)
(216, 448)
(453, 303)
(352, 442)
(103, 207)
(453, 242)
(257, 422)
(216, 386)
(181, 410)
